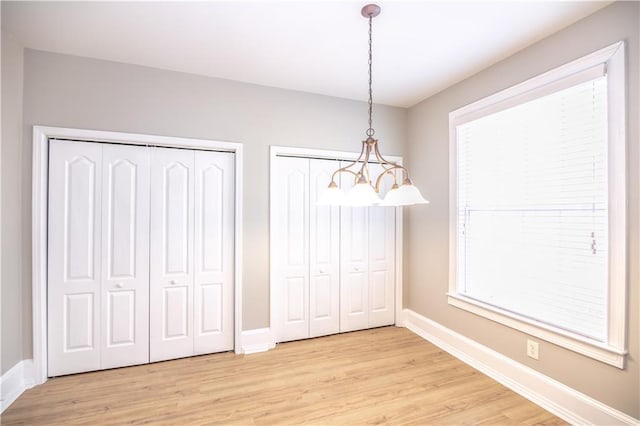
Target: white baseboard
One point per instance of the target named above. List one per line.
(257, 340)
(15, 381)
(553, 396)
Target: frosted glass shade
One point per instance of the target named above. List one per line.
(405, 195)
(332, 196)
(362, 194)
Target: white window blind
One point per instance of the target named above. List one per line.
(532, 208)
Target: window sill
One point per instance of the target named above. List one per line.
(596, 350)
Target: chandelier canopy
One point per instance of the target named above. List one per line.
(366, 188)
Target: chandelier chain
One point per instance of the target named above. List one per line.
(366, 186)
(370, 130)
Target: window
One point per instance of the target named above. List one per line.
(538, 210)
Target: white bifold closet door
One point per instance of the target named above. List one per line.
(172, 274)
(324, 254)
(292, 248)
(125, 255)
(334, 267)
(140, 254)
(191, 287)
(306, 238)
(367, 263)
(98, 264)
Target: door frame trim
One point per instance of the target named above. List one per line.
(41, 136)
(285, 151)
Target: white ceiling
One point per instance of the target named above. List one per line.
(420, 47)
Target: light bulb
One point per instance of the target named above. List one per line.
(362, 194)
(332, 196)
(405, 195)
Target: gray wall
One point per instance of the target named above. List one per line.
(77, 92)
(68, 91)
(426, 249)
(12, 220)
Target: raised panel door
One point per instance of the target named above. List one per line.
(171, 254)
(324, 253)
(125, 254)
(291, 236)
(74, 262)
(214, 251)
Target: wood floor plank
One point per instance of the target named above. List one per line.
(382, 376)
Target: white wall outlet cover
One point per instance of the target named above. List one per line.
(532, 349)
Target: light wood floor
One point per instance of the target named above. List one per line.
(386, 375)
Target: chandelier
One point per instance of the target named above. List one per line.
(366, 188)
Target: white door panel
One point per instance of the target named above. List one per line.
(354, 301)
(295, 296)
(357, 219)
(211, 310)
(175, 324)
(125, 253)
(322, 296)
(74, 263)
(79, 322)
(171, 254)
(324, 253)
(296, 213)
(214, 248)
(292, 241)
(177, 178)
(82, 210)
(121, 320)
(121, 187)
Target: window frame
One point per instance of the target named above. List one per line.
(614, 351)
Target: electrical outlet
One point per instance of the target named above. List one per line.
(532, 349)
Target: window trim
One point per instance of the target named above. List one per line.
(613, 352)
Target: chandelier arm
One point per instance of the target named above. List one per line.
(343, 170)
(346, 168)
(381, 159)
(388, 171)
(364, 170)
(386, 167)
(362, 154)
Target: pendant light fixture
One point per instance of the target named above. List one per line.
(367, 187)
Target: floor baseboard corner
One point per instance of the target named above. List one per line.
(14, 382)
(256, 341)
(555, 397)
